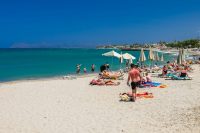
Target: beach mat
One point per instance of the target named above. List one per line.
(127, 97)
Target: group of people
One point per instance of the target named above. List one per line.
(139, 76)
(106, 77)
(78, 68)
(179, 70)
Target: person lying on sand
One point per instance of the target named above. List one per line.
(164, 70)
(110, 75)
(184, 72)
(103, 82)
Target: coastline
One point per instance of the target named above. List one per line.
(49, 78)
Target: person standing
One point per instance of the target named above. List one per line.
(135, 77)
(84, 70)
(78, 68)
(127, 63)
(92, 67)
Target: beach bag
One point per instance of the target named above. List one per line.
(124, 97)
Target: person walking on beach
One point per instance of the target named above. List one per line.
(92, 67)
(78, 68)
(135, 77)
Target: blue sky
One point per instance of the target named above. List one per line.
(86, 23)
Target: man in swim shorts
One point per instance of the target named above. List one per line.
(135, 77)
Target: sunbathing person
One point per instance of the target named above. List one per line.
(184, 73)
(103, 82)
(146, 78)
(164, 70)
(109, 75)
(110, 82)
(182, 76)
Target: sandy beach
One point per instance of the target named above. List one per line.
(73, 106)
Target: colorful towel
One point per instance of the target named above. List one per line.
(128, 96)
(151, 84)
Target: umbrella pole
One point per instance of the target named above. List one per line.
(112, 61)
(151, 64)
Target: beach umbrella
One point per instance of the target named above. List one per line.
(142, 56)
(162, 58)
(151, 56)
(157, 58)
(183, 55)
(128, 56)
(112, 54)
(179, 58)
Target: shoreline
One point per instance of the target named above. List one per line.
(49, 78)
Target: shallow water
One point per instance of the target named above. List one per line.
(42, 63)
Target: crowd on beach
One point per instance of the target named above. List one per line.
(140, 77)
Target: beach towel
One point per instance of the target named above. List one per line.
(126, 97)
(151, 84)
(169, 75)
(162, 86)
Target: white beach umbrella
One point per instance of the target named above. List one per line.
(183, 55)
(151, 54)
(157, 58)
(112, 54)
(128, 56)
(179, 59)
(142, 56)
(162, 58)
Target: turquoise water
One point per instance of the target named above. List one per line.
(18, 64)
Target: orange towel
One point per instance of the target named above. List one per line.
(142, 95)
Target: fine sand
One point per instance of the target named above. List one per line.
(73, 106)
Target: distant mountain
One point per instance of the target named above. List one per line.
(48, 45)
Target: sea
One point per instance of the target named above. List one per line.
(23, 64)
